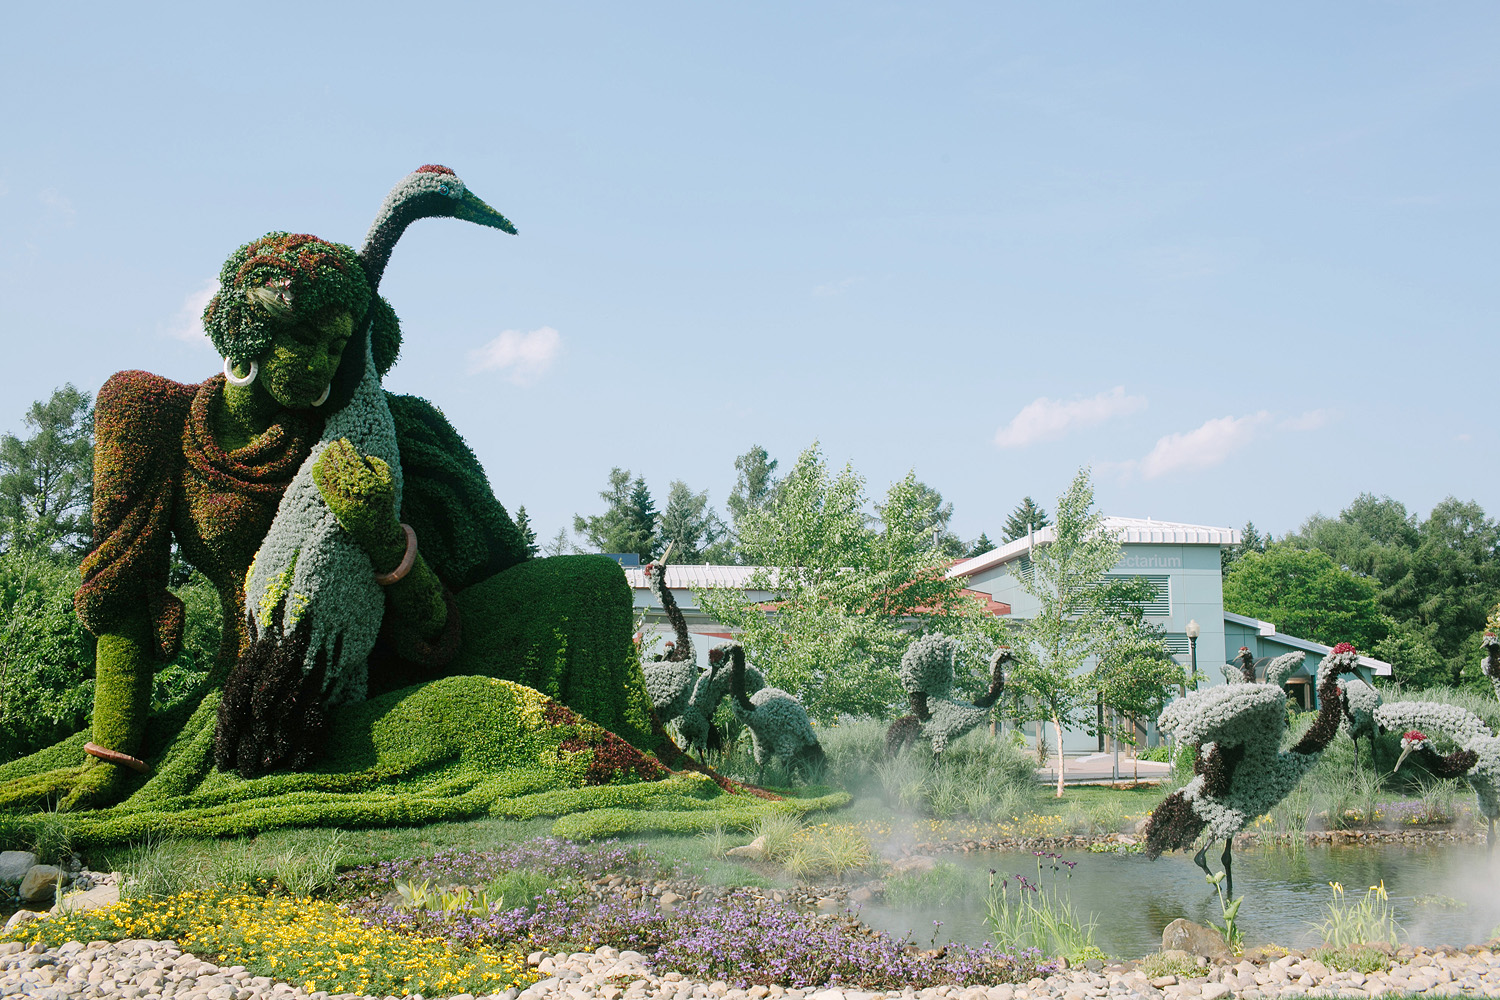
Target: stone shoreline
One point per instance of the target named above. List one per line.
(1077, 841)
(131, 970)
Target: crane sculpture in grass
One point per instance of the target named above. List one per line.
(927, 674)
(671, 675)
(1476, 759)
(778, 723)
(1240, 770)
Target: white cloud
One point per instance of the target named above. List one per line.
(1046, 419)
(1310, 421)
(1203, 448)
(837, 287)
(187, 324)
(523, 357)
(55, 200)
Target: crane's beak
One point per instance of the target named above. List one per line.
(670, 545)
(471, 208)
(1399, 759)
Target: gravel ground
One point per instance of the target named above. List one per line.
(151, 969)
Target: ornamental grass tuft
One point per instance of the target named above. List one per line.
(312, 943)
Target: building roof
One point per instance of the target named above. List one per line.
(1267, 630)
(1127, 530)
(688, 577)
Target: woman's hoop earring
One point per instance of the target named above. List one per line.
(323, 398)
(237, 380)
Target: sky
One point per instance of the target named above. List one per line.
(1236, 258)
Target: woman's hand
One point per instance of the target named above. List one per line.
(360, 492)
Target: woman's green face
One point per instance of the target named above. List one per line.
(304, 356)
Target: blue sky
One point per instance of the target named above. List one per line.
(1239, 259)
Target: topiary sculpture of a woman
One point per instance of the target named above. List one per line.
(213, 466)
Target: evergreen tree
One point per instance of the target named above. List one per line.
(528, 536)
(689, 525)
(979, 546)
(754, 482)
(629, 522)
(1250, 541)
(47, 479)
(1024, 519)
(559, 546)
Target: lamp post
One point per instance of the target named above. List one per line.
(1193, 631)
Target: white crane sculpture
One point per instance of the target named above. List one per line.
(1477, 757)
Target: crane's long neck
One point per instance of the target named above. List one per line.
(1492, 664)
(394, 216)
(683, 650)
(997, 684)
(1455, 765)
(737, 677)
(1330, 702)
(1247, 668)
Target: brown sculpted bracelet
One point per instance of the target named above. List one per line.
(408, 560)
(116, 757)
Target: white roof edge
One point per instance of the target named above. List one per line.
(1381, 668)
(1128, 530)
(1262, 628)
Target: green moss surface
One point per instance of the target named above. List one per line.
(563, 626)
(456, 748)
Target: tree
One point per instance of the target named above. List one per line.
(935, 515)
(629, 522)
(1436, 576)
(1024, 519)
(559, 545)
(1135, 678)
(528, 536)
(847, 600)
(689, 525)
(979, 546)
(46, 480)
(1079, 615)
(754, 483)
(1307, 595)
(1250, 541)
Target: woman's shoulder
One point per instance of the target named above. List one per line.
(141, 398)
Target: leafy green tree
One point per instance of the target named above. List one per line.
(847, 600)
(46, 480)
(689, 525)
(1306, 594)
(1023, 520)
(528, 535)
(754, 483)
(1251, 540)
(1436, 576)
(629, 522)
(1080, 616)
(935, 515)
(46, 657)
(559, 546)
(1135, 677)
(1411, 650)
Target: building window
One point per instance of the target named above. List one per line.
(1159, 605)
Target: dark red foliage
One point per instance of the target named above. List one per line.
(1330, 698)
(902, 733)
(433, 168)
(1172, 826)
(271, 715)
(1218, 770)
(1455, 765)
(1343, 647)
(613, 758)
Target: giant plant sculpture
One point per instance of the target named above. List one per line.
(696, 721)
(1240, 771)
(927, 673)
(1491, 662)
(778, 723)
(1477, 757)
(313, 600)
(670, 677)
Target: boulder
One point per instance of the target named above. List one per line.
(88, 899)
(40, 883)
(20, 917)
(14, 865)
(668, 902)
(1195, 939)
(916, 864)
(755, 850)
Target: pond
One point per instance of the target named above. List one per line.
(1442, 894)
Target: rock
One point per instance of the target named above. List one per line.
(14, 865)
(1195, 939)
(89, 899)
(21, 917)
(668, 902)
(755, 850)
(827, 904)
(861, 896)
(1214, 991)
(1140, 826)
(917, 863)
(40, 883)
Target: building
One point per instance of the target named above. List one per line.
(1181, 562)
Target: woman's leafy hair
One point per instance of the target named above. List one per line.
(281, 277)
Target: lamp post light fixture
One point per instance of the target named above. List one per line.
(1193, 631)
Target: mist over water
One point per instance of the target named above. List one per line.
(1285, 890)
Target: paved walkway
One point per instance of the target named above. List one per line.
(1099, 769)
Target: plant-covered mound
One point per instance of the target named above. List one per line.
(455, 748)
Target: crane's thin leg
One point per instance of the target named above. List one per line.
(1201, 861)
(1355, 740)
(1489, 842)
(1228, 873)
